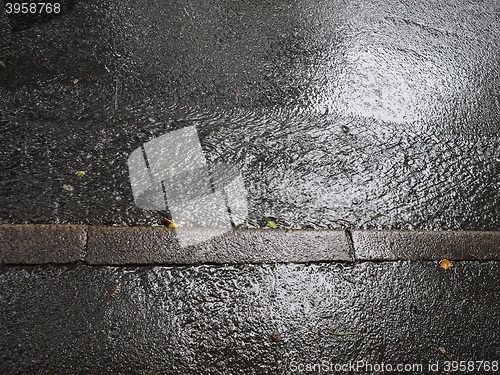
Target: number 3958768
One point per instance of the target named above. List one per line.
(32, 8)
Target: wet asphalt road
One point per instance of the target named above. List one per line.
(340, 114)
(248, 319)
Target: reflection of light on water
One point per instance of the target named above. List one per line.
(390, 84)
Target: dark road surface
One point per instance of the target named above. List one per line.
(248, 319)
(376, 114)
(340, 114)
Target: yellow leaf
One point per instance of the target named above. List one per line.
(271, 224)
(445, 263)
(80, 174)
(68, 187)
(2, 64)
(173, 225)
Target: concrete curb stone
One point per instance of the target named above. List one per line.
(42, 243)
(116, 245)
(402, 245)
(100, 245)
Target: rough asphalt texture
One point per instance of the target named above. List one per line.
(246, 319)
(340, 114)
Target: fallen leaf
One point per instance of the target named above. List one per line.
(80, 174)
(271, 224)
(68, 187)
(445, 263)
(76, 81)
(276, 336)
(2, 64)
(169, 222)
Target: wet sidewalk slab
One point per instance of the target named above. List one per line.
(248, 318)
(95, 245)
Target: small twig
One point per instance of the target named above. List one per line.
(439, 255)
(332, 332)
(444, 352)
(112, 294)
(475, 256)
(116, 93)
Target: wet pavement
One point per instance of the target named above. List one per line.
(339, 114)
(346, 114)
(247, 319)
